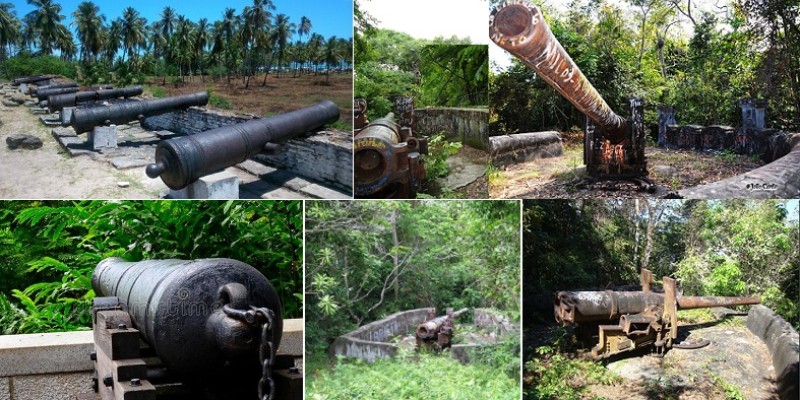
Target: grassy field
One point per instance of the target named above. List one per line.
(281, 94)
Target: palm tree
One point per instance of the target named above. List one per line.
(167, 21)
(201, 38)
(111, 39)
(133, 32)
(227, 34)
(303, 29)
(254, 33)
(88, 23)
(332, 54)
(65, 43)
(46, 19)
(183, 44)
(315, 45)
(9, 31)
(280, 36)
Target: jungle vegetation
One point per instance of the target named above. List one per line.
(669, 52)
(370, 259)
(48, 250)
(445, 72)
(126, 49)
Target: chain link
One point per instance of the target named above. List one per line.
(266, 386)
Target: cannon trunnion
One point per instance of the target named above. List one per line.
(644, 318)
(208, 321)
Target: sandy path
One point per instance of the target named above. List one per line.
(49, 173)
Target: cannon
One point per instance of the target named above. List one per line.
(387, 161)
(43, 94)
(182, 160)
(85, 119)
(212, 323)
(437, 332)
(59, 101)
(32, 79)
(613, 145)
(35, 90)
(644, 318)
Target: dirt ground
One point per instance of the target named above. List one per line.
(281, 94)
(49, 173)
(563, 177)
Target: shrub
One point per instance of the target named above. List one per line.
(439, 149)
(26, 64)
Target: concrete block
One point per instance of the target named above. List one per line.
(292, 340)
(23, 88)
(5, 390)
(44, 353)
(52, 387)
(322, 192)
(66, 114)
(222, 185)
(103, 137)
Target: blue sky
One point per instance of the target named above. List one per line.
(328, 17)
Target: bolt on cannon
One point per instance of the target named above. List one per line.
(644, 318)
(613, 145)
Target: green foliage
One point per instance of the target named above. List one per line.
(25, 64)
(379, 85)
(366, 260)
(158, 92)
(439, 150)
(454, 76)
(501, 357)
(550, 371)
(430, 377)
(61, 243)
(219, 102)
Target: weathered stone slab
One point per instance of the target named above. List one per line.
(51, 387)
(783, 343)
(469, 126)
(9, 103)
(222, 185)
(45, 353)
(103, 137)
(129, 162)
(5, 390)
(321, 192)
(23, 141)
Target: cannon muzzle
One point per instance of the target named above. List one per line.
(58, 102)
(386, 160)
(184, 310)
(85, 119)
(429, 329)
(181, 161)
(518, 27)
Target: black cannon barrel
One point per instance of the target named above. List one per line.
(35, 91)
(177, 306)
(84, 120)
(44, 93)
(59, 101)
(32, 79)
(180, 161)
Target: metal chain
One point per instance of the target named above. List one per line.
(266, 386)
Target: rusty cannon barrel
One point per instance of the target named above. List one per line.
(59, 101)
(609, 305)
(428, 329)
(386, 162)
(199, 316)
(35, 90)
(85, 119)
(43, 94)
(518, 27)
(182, 160)
(32, 79)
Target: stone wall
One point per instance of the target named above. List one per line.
(369, 341)
(469, 126)
(324, 156)
(56, 366)
(784, 346)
